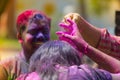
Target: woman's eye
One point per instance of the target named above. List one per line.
(45, 31)
(33, 32)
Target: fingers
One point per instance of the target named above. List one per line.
(68, 16)
(73, 16)
(62, 34)
(63, 25)
(70, 21)
(59, 33)
(67, 27)
(65, 37)
(68, 36)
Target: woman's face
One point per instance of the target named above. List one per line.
(36, 33)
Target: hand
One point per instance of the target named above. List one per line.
(72, 35)
(74, 17)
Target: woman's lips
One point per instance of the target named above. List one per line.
(39, 43)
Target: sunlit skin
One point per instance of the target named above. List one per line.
(35, 34)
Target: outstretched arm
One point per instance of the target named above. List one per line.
(73, 36)
(105, 61)
(96, 37)
(90, 33)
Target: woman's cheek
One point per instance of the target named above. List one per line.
(29, 38)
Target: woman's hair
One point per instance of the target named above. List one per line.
(51, 54)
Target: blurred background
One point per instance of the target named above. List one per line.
(100, 13)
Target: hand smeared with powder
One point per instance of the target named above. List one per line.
(71, 34)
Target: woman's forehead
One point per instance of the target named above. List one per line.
(39, 18)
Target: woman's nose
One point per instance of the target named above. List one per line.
(40, 37)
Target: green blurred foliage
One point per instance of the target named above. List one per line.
(9, 44)
(99, 6)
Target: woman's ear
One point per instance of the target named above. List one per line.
(20, 40)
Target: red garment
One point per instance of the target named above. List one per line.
(109, 44)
